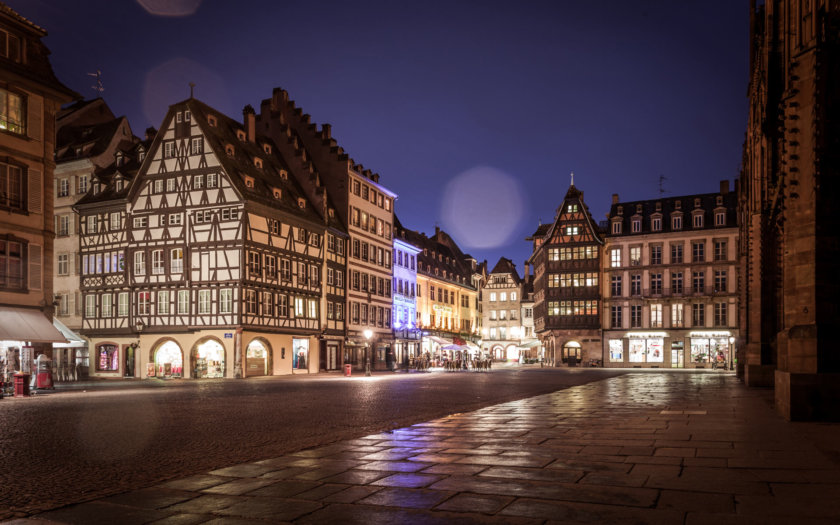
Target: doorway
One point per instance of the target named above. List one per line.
(571, 353)
(677, 354)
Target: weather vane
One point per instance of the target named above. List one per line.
(99, 88)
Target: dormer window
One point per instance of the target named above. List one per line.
(118, 185)
(240, 135)
(301, 203)
(258, 162)
(179, 117)
(120, 160)
(637, 225)
(638, 208)
(720, 218)
(697, 203)
(229, 150)
(284, 175)
(187, 116)
(719, 200)
(620, 210)
(331, 213)
(656, 224)
(677, 205)
(211, 119)
(277, 193)
(697, 220)
(658, 206)
(616, 227)
(141, 156)
(249, 181)
(10, 46)
(676, 222)
(267, 149)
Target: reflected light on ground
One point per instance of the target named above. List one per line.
(172, 8)
(482, 207)
(168, 83)
(103, 441)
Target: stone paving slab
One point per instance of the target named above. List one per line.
(639, 448)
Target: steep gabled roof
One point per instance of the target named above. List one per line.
(575, 195)
(505, 265)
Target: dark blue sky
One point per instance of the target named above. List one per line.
(473, 112)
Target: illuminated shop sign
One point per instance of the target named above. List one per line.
(646, 335)
(709, 334)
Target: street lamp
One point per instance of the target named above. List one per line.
(368, 335)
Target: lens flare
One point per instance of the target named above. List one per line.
(482, 207)
(170, 82)
(172, 8)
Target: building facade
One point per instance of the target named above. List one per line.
(209, 262)
(30, 98)
(788, 189)
(670, 280)
(406, 334)
(502, 327)
(363, 206)
(567, 292)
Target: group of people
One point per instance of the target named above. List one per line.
(424, 362)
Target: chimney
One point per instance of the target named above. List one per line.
(150, 132)
(249, 119)
(437, 230)
(724, 187)
(527, 274)
(326, 131)
(615, 198)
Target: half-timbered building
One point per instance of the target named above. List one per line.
(223, 261)
(566, 260)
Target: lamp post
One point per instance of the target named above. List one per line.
(368, 335)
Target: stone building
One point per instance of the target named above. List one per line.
(670, 280)
(501, 299)
(30, 98)
(567, 291)
(789, 185)
(406, 333)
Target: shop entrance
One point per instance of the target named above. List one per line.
(168, 361)
(300, 354)
(571, 353)
(128, 371)
(677, 354)
(257, 362)
(209, 360)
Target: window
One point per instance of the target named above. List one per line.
(312, 309)
(615, 257)
(656, 224)
(90, 306)
(270, 266)
(139, 222)
(572, 208)
(157, 262)
(615, 286)
(720, 251)
(615, 316)
(122, 304)
(720, 280)
(698, 281)
(698, 220)
(635, 285)
(636, 225)
(656, 255)
(677, 282)
(677, 315)
(175, 219)
(212, 180)
(572, 230)
(198, 182)
(204, 301)
(299, 307)
(676, 222)
(162, 302)
(676, 253)
(143, 301)
(183, 302)
(282, 305)
(63, 187)
(635, 256)
(636, 316)
(512, 296)
(12, 107)
(254, 263)
(168, 149)
(170, 185)
(698, 315)
(554, 254)
(107, 358)
(11, 185)
(698, 251)
(83, 184)
(197, 145)
(616, 227)
(63, 264)
(176, 260)
(116, 221)
(656, 316)
(720, 218)
(91, 224)
(656, 283)
(139, 263)
(63, 225)
(720, 314)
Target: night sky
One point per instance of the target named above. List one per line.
(474, 113)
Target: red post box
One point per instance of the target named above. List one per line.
(348, 369)
(21, 384)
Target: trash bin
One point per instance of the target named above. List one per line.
(21, 384)
(43, 372)
(348, 370)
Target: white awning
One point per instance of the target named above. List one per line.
(74, 340)
(440, 340)
(27, 325)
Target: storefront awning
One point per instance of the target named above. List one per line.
(74, 340)
(440, 340)
(530, 344)
(27, 325)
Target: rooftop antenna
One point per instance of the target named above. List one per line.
(192, 86)
(99, 88)
(662, 180)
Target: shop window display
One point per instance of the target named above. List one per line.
(616, 350)
(300, 356)
(169, 361)
(636, 352)
(209, 360)
(654, 351)
(256, 357)
(107, 359)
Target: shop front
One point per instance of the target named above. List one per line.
(675, 349)
(258, 359)
(167, 361)
(208, 358)
(71, 359)
(300, 355)
(25, 333)
(711, 349)
(637, 349)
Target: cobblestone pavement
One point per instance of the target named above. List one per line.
(637, 448)
(72, 446)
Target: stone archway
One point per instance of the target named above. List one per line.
(498, 353)
(571, 353)
(259, 358)
(209, 358)
(166, 359)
